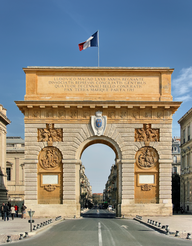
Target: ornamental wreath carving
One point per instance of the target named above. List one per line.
(50, 158)
(50, 187)
(146, 187)
(146, 134)
(146, 157)
(50, 134)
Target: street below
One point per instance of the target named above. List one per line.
(101, 228)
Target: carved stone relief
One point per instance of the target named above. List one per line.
(36, 113)
(50, 134)
(123, 114)
(146, 158)
(146, 134)
(50, 187)
(50, 158)
(112, 114)
(135, 114)
(146, 187)
(62, 114)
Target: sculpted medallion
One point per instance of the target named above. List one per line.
(146, 134)
(50, 158)
(146, 158)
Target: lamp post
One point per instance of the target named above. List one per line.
(31, 213)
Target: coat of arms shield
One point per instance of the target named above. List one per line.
(98, 123)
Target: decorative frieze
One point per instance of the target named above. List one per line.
(146, 134)
(50, 134)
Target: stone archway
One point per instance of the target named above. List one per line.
(115, 147)
(125, 108)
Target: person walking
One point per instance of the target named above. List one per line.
(16, 210)
(23, 211)
(12, 212)
(2, 210)
(6, 212)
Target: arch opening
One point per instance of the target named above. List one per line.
(99, 170)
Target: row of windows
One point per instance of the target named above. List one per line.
(8, 171)
(186, 138)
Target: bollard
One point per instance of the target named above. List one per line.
(26, 234)
(41, 225)
(8, 239)
(148, 220)
(156, 223)
(153, 222)
(46, 222)
(34, 227)
(166, 227)
(159, 224)
(51, 220)
(177, 234)
(167, 231)
(188, 236)
(21, 237)
(38, 226)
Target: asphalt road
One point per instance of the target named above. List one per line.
(100, 228)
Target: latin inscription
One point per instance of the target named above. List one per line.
(99, 84)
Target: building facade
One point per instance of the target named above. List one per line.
(186, 161)
(110, 192)
(176, 156)
(15, 159)
(4, 121)
(85, 189)
(67, 109)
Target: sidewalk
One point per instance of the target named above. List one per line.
(19, 226)
(176, 222)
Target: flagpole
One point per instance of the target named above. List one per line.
(98, 47)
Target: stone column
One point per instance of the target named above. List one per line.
(165, 176)
(71, 187)
(119, 187)
(30, 182)
(127, 185)
(16, 171)
(3, 184)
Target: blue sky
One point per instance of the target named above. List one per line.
(132, 34)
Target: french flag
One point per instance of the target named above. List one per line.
(90, 42)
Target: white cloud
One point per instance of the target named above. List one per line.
(183, 98)
(182, 85)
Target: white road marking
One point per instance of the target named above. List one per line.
(111, 237)
(99, 234)
(124, 226)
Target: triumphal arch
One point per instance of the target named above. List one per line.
(67, 109)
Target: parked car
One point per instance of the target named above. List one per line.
(110, 208)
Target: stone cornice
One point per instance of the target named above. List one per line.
(173, 106)
(139, 69)
(4, 119)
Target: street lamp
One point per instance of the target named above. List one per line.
(31, 213)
